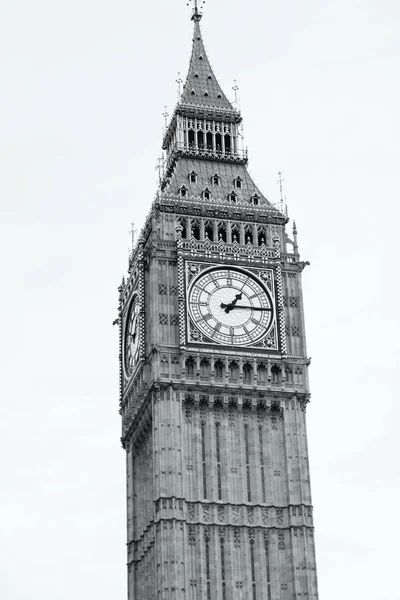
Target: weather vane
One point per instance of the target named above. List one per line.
(197, 5)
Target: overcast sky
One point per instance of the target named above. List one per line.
(83, 89)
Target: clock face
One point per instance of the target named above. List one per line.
(132, 337)
(230, 306)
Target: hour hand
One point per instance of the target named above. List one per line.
(227, 307)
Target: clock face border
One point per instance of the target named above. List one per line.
(261, 278)
(134, 307)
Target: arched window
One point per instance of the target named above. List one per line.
(215, 179)
(248, 234)
(175, 368)
(183, 192)
(209, 140)
(247, 371)
(195, 229)
(164, 367)
(219, 369)
(218, 142)
(233, 371)
(205, 369)
(209, 230)
(190, 367)
(261, 235)
(227, 144)
(236, 233)
(255, 200)
(200, 139)
(193, 177)
(222, 231)
(232, 197)
(261, 374)
(238, 183)
(207, 194)
(276, 374)
(191, 137)
(289, 374)
(182, 222)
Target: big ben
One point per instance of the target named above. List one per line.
(213, 373)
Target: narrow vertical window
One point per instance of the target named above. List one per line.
(203, 457)
(208, 568)
(260, 437)
(218, 448)
(253, 569)
(222, 541)
(246, 445)
(268, 570)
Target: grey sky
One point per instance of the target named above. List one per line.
(84, 86)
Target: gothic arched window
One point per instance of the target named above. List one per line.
(261, 374)
(232, 197)
(276, 374)
(222, 231)
(247, 371)
(207, 194)
(261, 235)
(209, 230)
(219, 369)
(183, 223)
(195, 228)
(215, 179)
(236, 233)
(233, 371)
(205, 369)
(190, 367)
(248, 234)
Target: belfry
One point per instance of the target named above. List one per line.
(213, 374)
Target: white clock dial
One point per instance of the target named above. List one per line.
(132, 337)
(230, 306)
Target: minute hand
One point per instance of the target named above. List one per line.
(250, 307)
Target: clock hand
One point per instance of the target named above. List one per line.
(251, 308)
(229, 306)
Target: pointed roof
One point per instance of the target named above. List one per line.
(202, 87)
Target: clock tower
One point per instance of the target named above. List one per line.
(213, 374)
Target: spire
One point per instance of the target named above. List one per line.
(202, 87)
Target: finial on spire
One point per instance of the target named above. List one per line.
(132, 231)
(159, 168)
(280, 180)
(165, 115)
(235, 89)
(196, 14)
(179, 81)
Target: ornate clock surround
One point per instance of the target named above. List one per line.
(266, 278)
